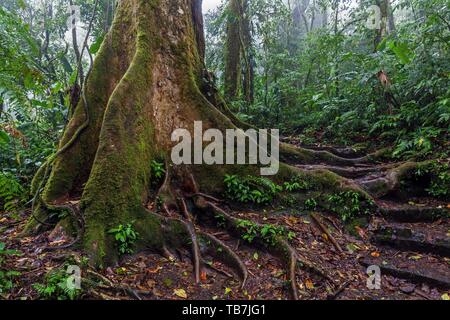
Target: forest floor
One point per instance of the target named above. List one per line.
(410, 245)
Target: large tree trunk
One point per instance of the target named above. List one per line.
(148, 79)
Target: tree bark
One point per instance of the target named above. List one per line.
(247, 52)
(232, 73)
(147, 80)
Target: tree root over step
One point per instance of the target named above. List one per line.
(416, 275)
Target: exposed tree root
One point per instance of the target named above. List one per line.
(108, 285)
(407, 240)
(77, 218)
(190, 231)
(195, 246)
(408, 213)
(349, 172)
(280, 247)
(414, 275)
(328, 233)
(223, 252)
(341, 289)
(295, 155)
(349, 153)
(390, 181)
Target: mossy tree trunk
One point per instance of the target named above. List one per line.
(147, 80)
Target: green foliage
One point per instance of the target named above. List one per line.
(6, 276)
(296, 184)
(36, 74)
(158, 171)
(251, 230)
(268, 232)
(310, 204)
(11, 192)
(439, 178)
(56, 286)
(251, 189)
(322, 84)
(348, 205)
(125, 237)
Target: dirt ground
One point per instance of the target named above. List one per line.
(156, 277)
(405, 239)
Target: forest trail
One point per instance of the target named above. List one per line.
(406, 239)
(403, 225)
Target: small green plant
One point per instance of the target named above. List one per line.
(6, 276)
(56, 286)
(158, 171)
(220, 220)
(251, 189)
(348, 205)
(268, 232)
(11, 192)
(291, 235)
(251, 230)
(125, 236)
(439, 175)
(310, 204)
(296, 184)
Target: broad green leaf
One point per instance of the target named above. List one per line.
(4, 137)
(401, 50)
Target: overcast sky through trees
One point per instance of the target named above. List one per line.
(210, 4)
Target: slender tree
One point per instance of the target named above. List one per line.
(233, 50)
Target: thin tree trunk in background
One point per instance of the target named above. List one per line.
(247, 48)
(336, 30)
(313, 16)
(387, 21)
(75, 41)
(391, 17)
(324, 17)
(107, 16)
(233, 50)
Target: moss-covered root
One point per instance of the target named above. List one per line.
(155, 233)
(279, 247)
(391, 183)
(294, 155)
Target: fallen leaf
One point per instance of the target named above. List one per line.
(418, 257)
(180, 293)
(203, 276)
(375, 254)
(325, 236)
(228, 290)
(154, 270)
(309, 284)
(151, 283)
(255, 256)
(445, 297)
(292, 221)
